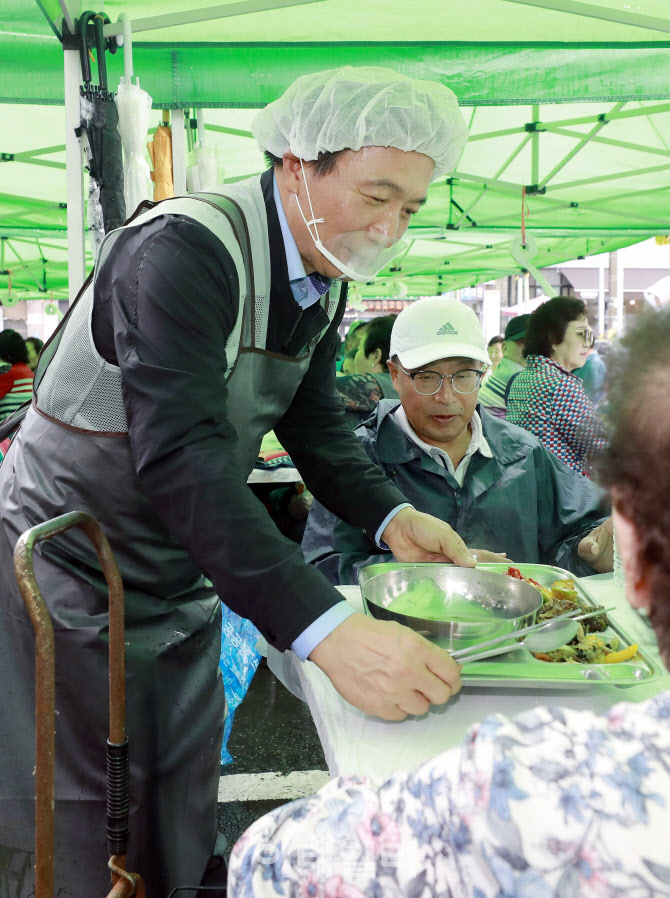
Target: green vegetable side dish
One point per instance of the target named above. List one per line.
(424, 599)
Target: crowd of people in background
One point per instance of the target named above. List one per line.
(544, 374)
(474, 470)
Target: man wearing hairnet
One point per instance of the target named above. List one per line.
(211, 320)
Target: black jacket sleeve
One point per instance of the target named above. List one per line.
(173, 294)
(331, 460)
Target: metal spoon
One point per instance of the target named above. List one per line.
(552, 635)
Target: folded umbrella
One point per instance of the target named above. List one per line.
(99, 131)
(160, 150)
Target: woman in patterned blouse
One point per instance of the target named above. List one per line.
(546, 398)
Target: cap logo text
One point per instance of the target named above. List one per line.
(447, 328)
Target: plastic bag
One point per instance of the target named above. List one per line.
(205, 170)
(238, 663)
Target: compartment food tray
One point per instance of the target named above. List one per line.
(520, 668)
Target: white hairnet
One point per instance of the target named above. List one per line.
(362, 106)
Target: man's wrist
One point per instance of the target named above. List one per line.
(387, 520)
(323, 626)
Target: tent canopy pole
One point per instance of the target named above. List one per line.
(590, 10)
(204, 14)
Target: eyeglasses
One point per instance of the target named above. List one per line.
(588, 337)
(427, 383)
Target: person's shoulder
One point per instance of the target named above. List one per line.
(503, 436)
(533, 373)
(383, 409)
(167, 240)
(359, 392)
(598, 362)
(608, 735)
(506, 369)
(21, 371)
(570, 388)
(355, 381)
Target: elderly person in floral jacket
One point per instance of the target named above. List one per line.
(553, 802)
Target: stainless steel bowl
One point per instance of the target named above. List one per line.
(511, 604)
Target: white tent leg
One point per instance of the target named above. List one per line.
(616, 293)
(601, 301)
(76, 266)
(526, 292)
(491, 313)
(620, 327)
(178, 152)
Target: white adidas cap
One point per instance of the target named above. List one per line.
(437, 328)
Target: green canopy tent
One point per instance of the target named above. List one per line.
(577, 133)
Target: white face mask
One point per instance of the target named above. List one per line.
(359, 255)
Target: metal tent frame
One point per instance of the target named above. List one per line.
(464, 234)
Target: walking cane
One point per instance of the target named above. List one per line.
(118, 771)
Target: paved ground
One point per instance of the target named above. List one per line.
(277, 753)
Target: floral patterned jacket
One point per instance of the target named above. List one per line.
(551, 803)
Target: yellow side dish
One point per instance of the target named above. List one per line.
(624, 655)
(564, 589)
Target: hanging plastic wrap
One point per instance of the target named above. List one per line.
(239, 660)
(204, 170)
(134, 107)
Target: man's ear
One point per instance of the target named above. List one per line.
(292, 172)
(635, 569)
(393, 372)
(377, 356)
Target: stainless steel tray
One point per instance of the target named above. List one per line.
(520, 668)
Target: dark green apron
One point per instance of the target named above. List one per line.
(175, 697)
